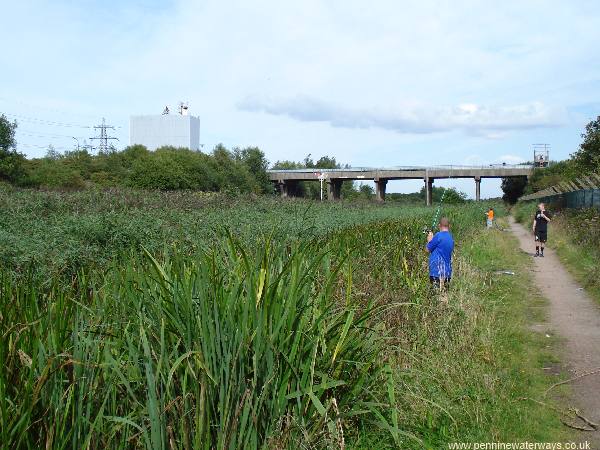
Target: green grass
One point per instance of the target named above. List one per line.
(266, 328)
(52, 233)
(281, 324)
(519, 354)
(467, 368)
(581, 262)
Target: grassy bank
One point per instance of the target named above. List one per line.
(267, 334)
(466, 368)
(575, 235)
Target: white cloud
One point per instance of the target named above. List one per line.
(481, 120)
(448, 79)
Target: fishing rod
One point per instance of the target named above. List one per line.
(439, 209)
(436, 216)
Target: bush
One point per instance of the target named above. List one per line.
(166, 169)
(47, 173)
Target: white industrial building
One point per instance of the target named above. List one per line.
(177, 130)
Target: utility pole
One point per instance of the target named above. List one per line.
(104, 137)
(322, 177)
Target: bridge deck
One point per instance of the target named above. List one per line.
(399, 173)
(287, 180)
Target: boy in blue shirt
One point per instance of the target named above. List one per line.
(440, 249)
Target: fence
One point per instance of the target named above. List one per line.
(583, 192)
(584, 198)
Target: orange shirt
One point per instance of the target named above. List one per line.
(490, 215)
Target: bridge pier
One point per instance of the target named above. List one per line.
(380, 184)
(287, 188)
(334, 189)
(287, 181)
(428, 191)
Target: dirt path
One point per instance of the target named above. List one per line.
(574, 317)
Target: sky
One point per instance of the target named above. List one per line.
(374, 84)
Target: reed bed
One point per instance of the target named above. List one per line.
(280, 341)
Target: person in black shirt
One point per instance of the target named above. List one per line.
(540, 229)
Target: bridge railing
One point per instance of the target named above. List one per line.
(373, 169)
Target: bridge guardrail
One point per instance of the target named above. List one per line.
(440, 167)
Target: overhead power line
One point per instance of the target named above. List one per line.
(45, 122)
(44, 108)
(48, 135)
(44, 147)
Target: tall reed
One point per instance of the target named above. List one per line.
(237, 348)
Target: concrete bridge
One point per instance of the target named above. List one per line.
(287, 180)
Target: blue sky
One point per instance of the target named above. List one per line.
(383, 83)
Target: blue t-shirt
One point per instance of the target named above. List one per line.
(440, 258)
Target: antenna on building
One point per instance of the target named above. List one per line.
(183, 108)
(104, 137)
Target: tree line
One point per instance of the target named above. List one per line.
(169, 168)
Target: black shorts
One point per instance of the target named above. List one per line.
(438, 282)
(541, 236)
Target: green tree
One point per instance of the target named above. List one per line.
(52, 154)
(366, 190)
(588, 155)
(312, 189)
(254, 159)
(170, 168)
(451, 195)
(233, 175)
(454, 196)
(327, 162)
(287, 165)
(513, 188)
(80, 161)
(11, 161)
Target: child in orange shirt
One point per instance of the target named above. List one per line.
(490, 217)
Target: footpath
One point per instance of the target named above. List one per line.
(575, 318)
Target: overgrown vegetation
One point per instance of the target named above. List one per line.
(51, 233)
(244, 323)
(166, 169)
(229, 349)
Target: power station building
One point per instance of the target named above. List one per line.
(177, 130)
